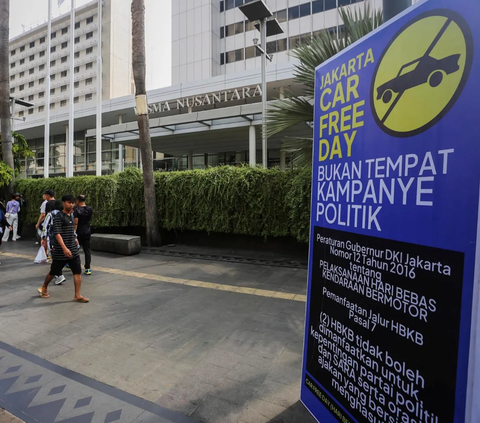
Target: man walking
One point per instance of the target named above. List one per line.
(3, 224)
(83, 217)
(13, 207)
(65, 250)
(41, 218)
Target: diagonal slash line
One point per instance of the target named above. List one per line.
(427, 53)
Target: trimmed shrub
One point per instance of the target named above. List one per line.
(225, 199)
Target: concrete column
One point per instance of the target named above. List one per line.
(190, 160)
(205, 160)
(67, 147)
(282, 93)
(252, 145)
(283, 160)
(121, 159)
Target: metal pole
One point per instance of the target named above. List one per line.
(99, 93)
(252, 146)
(13, 114)
(263, 41)
(46, 136)
(71, 125)
(392, 8)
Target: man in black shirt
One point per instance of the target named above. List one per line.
(65, 249)
(52, 203)
(83, 217)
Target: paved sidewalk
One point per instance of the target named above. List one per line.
(215, 341)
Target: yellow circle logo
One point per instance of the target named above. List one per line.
(421, 73)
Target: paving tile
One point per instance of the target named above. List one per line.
(278, 393)
(223, 358)
(217, 410)
(248, 374)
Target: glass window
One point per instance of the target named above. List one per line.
(12, 78)
(89, 50)
(41, 108)
(282, 15)
(63, 103)
(88, 81)
(77, 25)
(229, 4)
(239, 54)
(41, 94)
(293, 12)
(63, 74)
(52, 91)
(22, 61)
(77, 40)
(89, 65)
(53, 35)
(65, 44)
(32, 44)
(52, 106)
(30, 71)
(222, 58)
(343, 2)
(88, 96)
(238, 27)
(330, 4)
(222, 6)
(63, 88)
(271, 47)
(89, 35)
(22, 48)
(30, 111)
(76, 69)
(75, 99)
(229, 30)
(21, 113)
(42, 53)
(222, 32)
(41, 81)
(64, 59)
(238, 3)
(76, 84)
(12, 90)
(31, 84)
(52, 63)
(42, 40)
(282, 45)
(21, 87)
(317, 6)
(230, 56)
(12, 53)
(21, 74)
(77, 55)
(53, 49)
(294, 41)
(249, 26)
(30, 97)
(12, 65)
(52, 77)
(305, 10)
(250, 52)
(89, 20)
(64, 30)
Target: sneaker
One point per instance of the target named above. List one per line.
(59, 279)
(67, 266)
(88, 271)
(18, 237)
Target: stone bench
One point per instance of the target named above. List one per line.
(126, 245)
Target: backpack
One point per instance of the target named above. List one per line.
(49, 228)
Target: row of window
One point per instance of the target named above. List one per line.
(272, 47)
(41, 94)
(53, 49)
(41, 81)
(62, 103)
(230, 4)
(52, 35)
(294, 12)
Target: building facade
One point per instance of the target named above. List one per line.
(212, 113)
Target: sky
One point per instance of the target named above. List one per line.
(26, 14)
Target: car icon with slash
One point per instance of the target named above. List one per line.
(424, 70)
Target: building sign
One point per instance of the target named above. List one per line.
(392, 328)
(224, 96)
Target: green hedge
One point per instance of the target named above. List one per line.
(249, 201)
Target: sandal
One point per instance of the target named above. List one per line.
(43, 294)
(81, 300)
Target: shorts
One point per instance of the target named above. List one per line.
(74, 263)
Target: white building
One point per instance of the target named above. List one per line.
(210, 115)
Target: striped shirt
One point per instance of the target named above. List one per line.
(64, 225)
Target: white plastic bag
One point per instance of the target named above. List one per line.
(41, 255)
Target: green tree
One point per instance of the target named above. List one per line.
(20, 151)
(294, 110)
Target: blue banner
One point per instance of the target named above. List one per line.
(392, 302)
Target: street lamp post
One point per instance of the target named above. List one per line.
(23, 103)
(258, 11)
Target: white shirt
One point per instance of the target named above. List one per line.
(43, 206)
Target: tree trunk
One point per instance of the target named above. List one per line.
(139, 69)
(5, 117)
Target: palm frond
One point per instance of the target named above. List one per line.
(293, 110)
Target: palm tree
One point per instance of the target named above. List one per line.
(294, 110)
(139, 67)
(5, 122)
